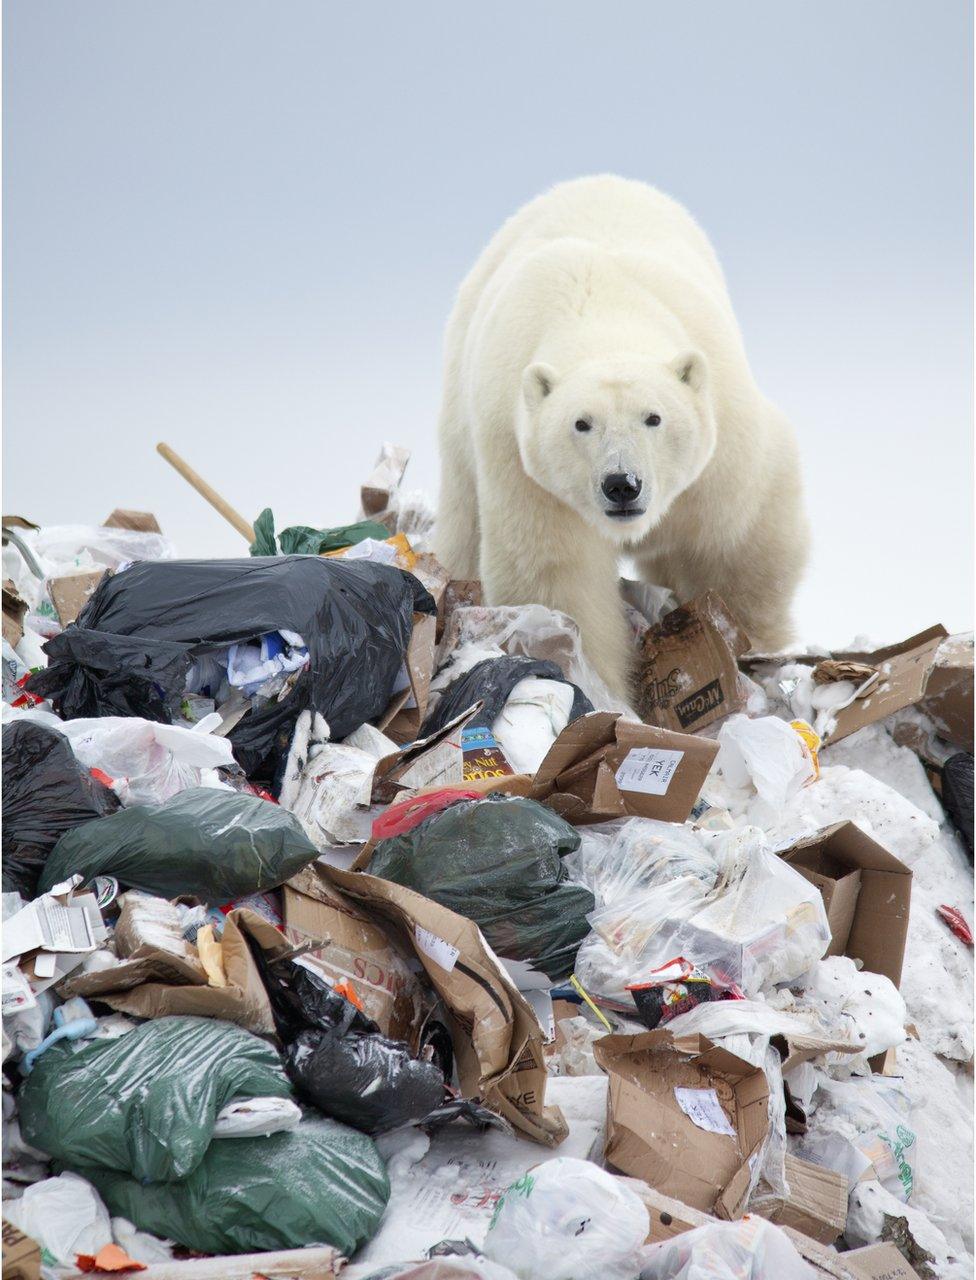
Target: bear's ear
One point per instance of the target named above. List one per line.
(691, 369)
(537, 381)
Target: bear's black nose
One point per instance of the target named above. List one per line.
(621, 488)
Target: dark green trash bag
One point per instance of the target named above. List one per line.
(216, 845)
(498, 861)
(145, 1103)
(322, 1183)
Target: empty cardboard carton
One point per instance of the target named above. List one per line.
(867, 893)
(687, 670)
(685, 1116)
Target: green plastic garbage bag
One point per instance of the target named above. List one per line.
(216, 845)
(301, 540)
(498, 861)
(322, 1183)
(145, 1103)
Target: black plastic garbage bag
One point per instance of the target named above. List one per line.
(146, 1102)
(498, 861)
(337, 1058)
(216, 845)
(319, 1183)
(957, 794)
(492, 681)
(46, 792)
(133, 643)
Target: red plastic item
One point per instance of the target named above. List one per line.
(101, 776)
(407, 814)
(110, 1260)
(956, 921)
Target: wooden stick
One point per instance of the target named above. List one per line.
(206, 491)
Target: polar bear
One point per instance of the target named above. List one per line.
(598, 402)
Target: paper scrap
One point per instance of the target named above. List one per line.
(703, 1108)
(438, 950)
(648, 769)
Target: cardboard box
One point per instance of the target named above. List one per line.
(138, 521)
(356, 950)
(868, 915)
(21, 1254)
(879, 1262)
(685, 1116)
(70, 595)
(948, 697)
(498, 1043)
(687, 673)
(816, 1205)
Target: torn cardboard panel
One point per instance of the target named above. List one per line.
(687, 673)
(498, 1042)
(948, 700)
(357, 950)
(879, 1262)
(154, 983)
(21, 1254)
(69, 595)
(685, 1116)
(14, 612)
(867, 893)
(816, 1204)
(138, 521)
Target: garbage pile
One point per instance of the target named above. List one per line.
(352, 927)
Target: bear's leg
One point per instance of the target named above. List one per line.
(539, 552)
(457, 536)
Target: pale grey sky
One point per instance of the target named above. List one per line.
(238, 226)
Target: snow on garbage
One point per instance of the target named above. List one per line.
(351, 923)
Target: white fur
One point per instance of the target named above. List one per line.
(603, 302)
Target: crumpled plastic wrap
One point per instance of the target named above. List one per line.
(750, 1249)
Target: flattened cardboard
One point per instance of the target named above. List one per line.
(879, 1262)
(687, 673)
(14, 611)
(902, 673)
(138, 521)
(577, 778)
(70, 595)
(948, 700)
(879, 921)
(153, 983)
(816, 1205)
(649, 1136)
(357, 950)
(21, 1254)
(498, 1042)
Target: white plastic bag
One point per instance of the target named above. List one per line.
(872, 1113)
(767, 754)
(750, 1249)
(65, 1215)
(565, 1219)
(254, 1117)
(535, 713)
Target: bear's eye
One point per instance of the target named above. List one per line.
(653, 420)
(582, 425)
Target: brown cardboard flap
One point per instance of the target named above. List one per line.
(879, 1262)
(879, 924)
(14, 610)
(948, 697)
(139, 521)
(687, 673)
(816, 1205)
(497, 1038)
(21, 1254)
(902, 673)
(356, 950)
(649, 1134)
(70, 595)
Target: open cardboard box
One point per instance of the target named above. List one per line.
(687, 673)
(685, 1116)
(867, 893)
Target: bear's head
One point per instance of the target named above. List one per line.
(617, 439)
